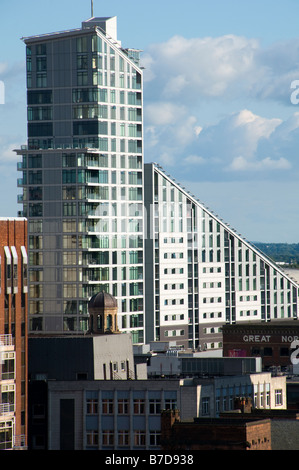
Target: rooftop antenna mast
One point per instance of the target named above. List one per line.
(92, 8)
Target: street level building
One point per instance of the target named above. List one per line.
(13, 333)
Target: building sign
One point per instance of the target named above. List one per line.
(267, 338)
(256, 338)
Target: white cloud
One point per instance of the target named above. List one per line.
(236, 144)
(164, 113)
(194, 160)
(7, 146)
(170, 128)
(185, 78)
(248, 129)
(227, 67)
(241, 164)
(202, 66)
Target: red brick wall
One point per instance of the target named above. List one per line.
(215, 434)
(244, 340)
(259, 435)
(13, 232)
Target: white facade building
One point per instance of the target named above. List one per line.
(204, 273)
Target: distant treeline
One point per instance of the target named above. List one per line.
(281, 252)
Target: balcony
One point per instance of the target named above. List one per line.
(20, 166)
(6, 409)
(20, 442)
(6, 340)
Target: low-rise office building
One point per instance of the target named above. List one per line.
(122, 414)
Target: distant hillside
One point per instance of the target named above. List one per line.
(281, 252)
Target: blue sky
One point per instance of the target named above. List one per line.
(217, 109)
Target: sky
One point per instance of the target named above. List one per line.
(221, 99)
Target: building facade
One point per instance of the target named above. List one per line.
(204, 274)
(276, 343)
(13, 333)
(215, 434)
(126, 415)
(82, 177)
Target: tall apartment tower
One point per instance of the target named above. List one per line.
(204, 274)
(82, 177)
(13, 333)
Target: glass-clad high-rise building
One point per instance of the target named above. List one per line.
(82, 177)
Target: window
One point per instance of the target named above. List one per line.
(123, 438)
(205, 406)
(92, 438)
(268, 352)
(82, 63)
(154, 438)
(170, 404)
(123, 406)
(278, 397)
(92, 406)
(139, 438)
(139, 406)
(108, 438)
(41, 80)
(284, 352)
(154, 406)
(107, 406)
(82, 44)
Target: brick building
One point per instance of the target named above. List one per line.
(13, 333)
(274, 342)
(214, 433)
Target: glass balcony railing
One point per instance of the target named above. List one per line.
(19, 442)
(6, 408)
